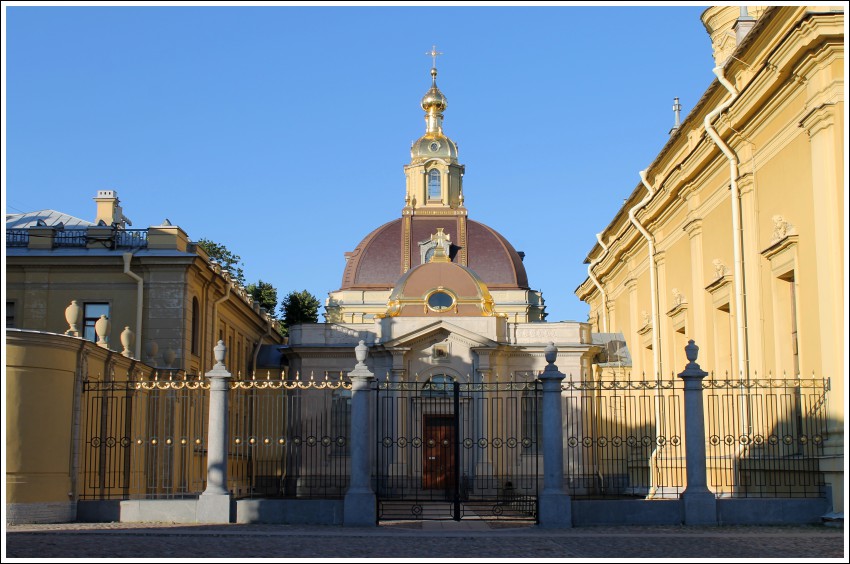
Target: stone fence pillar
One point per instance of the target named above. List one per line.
(554, 508)
(699, 506)
(214, 503)
(360, 508)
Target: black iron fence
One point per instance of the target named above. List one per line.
(290, 438)
(624, 438)
(449, 450)
(765, 436)
(79, 237)
(143, 439)
(446, 449)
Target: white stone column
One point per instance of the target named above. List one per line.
(699, 506)
(214, 503)
(555, 506)
(360, 509)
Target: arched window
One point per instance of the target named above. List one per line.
(434, 188)
(196, 325)
(438, 385)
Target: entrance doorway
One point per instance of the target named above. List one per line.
(438, 462)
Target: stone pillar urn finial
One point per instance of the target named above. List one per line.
(72, 316)
(101, 328)
(691, 350)
(127, 337)
(360, 352)
(550, 352)
(218, 353)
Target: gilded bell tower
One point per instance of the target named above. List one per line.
(434, 176)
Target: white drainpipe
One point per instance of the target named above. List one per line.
(260, 343)
(656, 326)
(226, 295)
(598, 285)
(128, 257)
(653, 276)
(735, 198)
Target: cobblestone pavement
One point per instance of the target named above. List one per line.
(471, 539)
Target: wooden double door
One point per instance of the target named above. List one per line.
(438, 455)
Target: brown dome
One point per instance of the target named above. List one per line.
(440, 288)
(376, 262)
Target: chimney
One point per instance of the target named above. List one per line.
(677, 107)
(744, 24)
(727, 26)
(108, 210)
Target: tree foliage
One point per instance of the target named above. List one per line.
(299, 307)
(265, 294)
(229, 261)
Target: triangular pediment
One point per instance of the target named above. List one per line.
(436, 327)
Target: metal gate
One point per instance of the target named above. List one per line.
(452, 450)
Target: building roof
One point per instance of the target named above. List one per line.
(49, 217)
(376, 262)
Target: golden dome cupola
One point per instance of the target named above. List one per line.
(434, 102)
(434, 144)
(434, 176)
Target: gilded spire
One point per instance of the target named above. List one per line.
(434, 103)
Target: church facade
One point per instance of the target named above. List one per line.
(434, 293)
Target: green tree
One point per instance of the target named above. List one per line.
(229, 261)
(265, 294)
(299, 307)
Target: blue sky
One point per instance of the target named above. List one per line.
(281, 131)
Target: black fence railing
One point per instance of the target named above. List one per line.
(143, 439)
(467, 448)
(70, 238)
(17, 237)
(290, 438)
(624, 438)
(76, 237)
(765, 436)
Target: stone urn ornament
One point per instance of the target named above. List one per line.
(72, 316)
(127, 337)
(101, 327)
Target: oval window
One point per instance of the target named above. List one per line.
(439, 301)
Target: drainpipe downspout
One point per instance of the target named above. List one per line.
(228, 286)
(653, 275)
(597, 284)
(128, 257)
(260, 343)
(656, 327)
(737, 230)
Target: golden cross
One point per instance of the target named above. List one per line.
(434, 53)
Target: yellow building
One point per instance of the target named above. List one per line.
(70, 282)
(155, 281)
(734, 237)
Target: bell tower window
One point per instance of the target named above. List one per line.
(434, 187)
